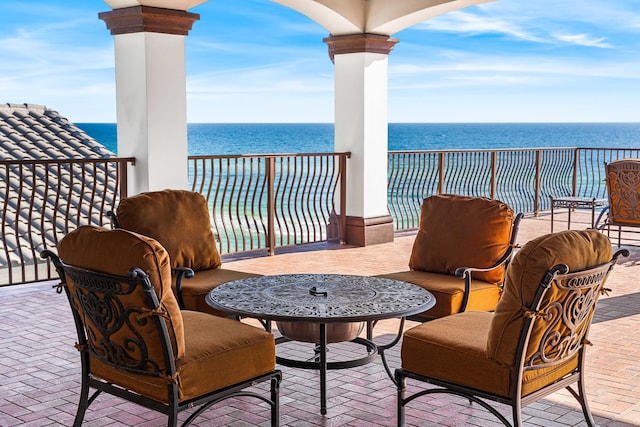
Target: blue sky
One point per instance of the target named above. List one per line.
(257, 61)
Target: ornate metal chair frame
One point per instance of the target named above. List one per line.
(97, 298)
(575, 314)
(623, 192)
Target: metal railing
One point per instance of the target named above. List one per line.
(262, 202)
(268, 201)
(522, 178)
(42, 200)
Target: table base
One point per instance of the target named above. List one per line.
(321, 364)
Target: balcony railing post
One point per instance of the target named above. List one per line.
(343, 197)
(271, 205)
(536, 200)
(494, 173)
(576, 160)
(440, 173)
(123, 175)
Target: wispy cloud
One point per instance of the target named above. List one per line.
(470, 23)
(541, 22)
(583, 40)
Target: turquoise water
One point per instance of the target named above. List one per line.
(242, 138)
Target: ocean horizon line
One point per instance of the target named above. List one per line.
(394, 123)
(269, 138)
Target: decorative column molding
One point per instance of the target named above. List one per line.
(356, 43)
(138, 19)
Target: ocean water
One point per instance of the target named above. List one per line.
(258, 138)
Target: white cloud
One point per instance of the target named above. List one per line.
(470, 23)
(583, 40)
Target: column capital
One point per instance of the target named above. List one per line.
(137, 19)
(355, 43)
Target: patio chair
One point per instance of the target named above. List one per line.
(534, 343)
(135, 342)
(460, 253)
(179, 220)
(623, 192)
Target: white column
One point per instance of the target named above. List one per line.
(152, 109)
(361, 127)
(151, 93)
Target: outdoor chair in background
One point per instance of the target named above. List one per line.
(179, 220)
(623, 192)
(460, 252)
(534, 342)
(136, 343)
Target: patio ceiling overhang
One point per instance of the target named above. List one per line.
(386, 17)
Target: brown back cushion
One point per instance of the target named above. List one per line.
(460, 231)
(579, 250)
(116, 252)
(179, 220)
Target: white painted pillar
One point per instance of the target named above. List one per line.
(361, 127)
(151, 94)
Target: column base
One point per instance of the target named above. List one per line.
(369, 231)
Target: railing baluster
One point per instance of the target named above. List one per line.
(44, 199)
(271, 204)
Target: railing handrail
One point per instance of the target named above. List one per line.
(491, 150)
(276, 155)
(481, 150)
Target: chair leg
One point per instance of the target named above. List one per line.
(172, 419)
(84, 402)
(401, 382)
(275, 399)
(581, 397)
(517, 412)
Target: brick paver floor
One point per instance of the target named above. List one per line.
(39, 366)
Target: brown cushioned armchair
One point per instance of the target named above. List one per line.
(534, 342)
(623, 192)
(460, 252)
(136, 343)
(179, 220)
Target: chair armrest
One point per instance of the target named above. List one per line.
(114, 219)
(181, 273)
(599, 226)
(465, 272)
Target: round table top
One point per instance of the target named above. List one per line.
(320, 298)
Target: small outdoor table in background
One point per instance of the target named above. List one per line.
(572, 203)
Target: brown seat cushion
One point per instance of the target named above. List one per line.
(579, 250)
(195, 290)
(454, 349)
(449, 291)
(459, 231)
(116, 252)
(179, 220)
(219, 352)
